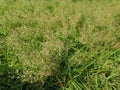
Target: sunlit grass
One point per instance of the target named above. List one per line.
(59, 45)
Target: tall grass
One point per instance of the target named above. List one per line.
(59, 45)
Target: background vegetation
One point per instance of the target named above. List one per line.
(59, 44)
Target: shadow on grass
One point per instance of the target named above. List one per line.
(11, 81)
(10, 78)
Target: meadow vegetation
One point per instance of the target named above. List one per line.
(59, 44)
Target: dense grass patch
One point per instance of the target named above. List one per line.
(59, 45)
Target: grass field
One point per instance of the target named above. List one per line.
(59, 44)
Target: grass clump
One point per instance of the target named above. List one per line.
(59, 45)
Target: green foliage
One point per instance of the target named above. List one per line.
(59, 45)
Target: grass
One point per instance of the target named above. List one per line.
(59, 45)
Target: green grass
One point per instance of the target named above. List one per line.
(59, 45)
